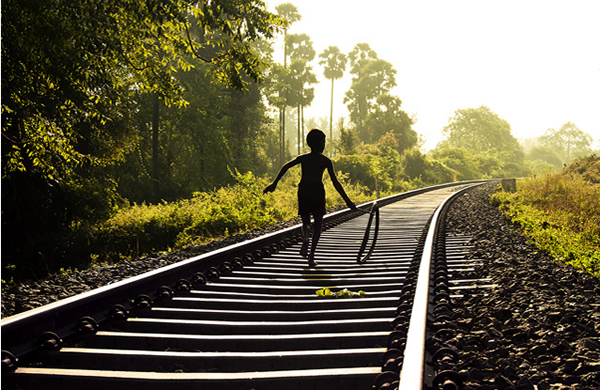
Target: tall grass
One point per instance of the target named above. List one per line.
(561, 214)
(143, 229)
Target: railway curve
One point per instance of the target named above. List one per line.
(248, 316)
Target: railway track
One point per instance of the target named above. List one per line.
(249, 317)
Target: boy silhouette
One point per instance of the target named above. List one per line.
(311, 192)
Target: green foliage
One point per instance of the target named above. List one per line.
(348, 140)
(376, 166)
(438, 173)
(374, 112)
(470, 165)
(75, 79)
(195, 142)
(569, 142)
(480, 129)
(70, 67)
(333, 62)
(387, 117)
(543, 157)
(494, 152)
(362, 169)
(300, 76)
(345, 293)
(420, 166)
(459, 160)
(142, 229)
(561, 214)
(587, 168)
(300, 47)
(372, 77)
(289, 13)
(381, 165)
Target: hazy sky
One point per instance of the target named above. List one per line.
(534, 63)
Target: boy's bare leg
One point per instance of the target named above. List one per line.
(315, 237)
(305, 234)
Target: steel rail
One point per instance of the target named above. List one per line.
(20, 333)
(412, 374)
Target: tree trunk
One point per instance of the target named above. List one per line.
(299, 139)
(282, 137)
(303, 137)
(155, 119)
(331, 113)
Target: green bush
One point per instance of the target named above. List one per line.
(143, 229)
(561, 214)
(362, 169)
(588, 168)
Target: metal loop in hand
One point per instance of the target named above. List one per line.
(374, 212)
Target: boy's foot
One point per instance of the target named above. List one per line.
(304, 249)
(312, 262)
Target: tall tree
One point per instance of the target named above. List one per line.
(300, 47)
(72, 76)
(334, 65)
(289, 13)
(481, 131)
(372, 77)
(569, 141)
(360, 54)
(195, 148)
(70, 65)
(387, 117)
(301, 52)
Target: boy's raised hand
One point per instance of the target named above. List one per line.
(270, 188)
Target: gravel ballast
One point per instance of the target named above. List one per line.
(29, 295)
(538, 329)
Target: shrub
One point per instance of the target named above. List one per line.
(588, 168)
(362, 169)
(561, 214)
(143, 229)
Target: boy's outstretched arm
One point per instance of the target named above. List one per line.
(271, 187)
(338, 186)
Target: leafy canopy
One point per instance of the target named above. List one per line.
(568, 142)
(372, 77)
(482, 131)
(72, 67)
(479, 130)
(334, 63)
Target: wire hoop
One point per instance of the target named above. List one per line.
(373, 213)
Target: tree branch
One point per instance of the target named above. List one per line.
(187, 31)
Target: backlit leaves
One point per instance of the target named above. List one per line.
(72, 69)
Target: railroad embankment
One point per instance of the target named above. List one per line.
(540, 326)
(560, 213)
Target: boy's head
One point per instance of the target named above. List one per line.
(316, 140)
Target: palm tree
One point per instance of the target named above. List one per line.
(334, 62)
(301, 51)
(290, 14)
